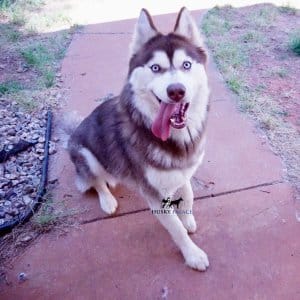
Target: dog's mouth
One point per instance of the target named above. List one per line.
(169, 115)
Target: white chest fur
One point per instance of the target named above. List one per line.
(169, 181)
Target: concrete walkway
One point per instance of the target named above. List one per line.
(245, 212)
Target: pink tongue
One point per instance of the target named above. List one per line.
(161, 125)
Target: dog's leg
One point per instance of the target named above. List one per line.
(82, 184)
(193, 255)
(188, 220)
(107, 201)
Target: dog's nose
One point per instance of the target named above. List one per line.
(176, 91)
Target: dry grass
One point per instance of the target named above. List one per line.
(233, 36)
(53, 217)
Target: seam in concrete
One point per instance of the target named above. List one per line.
(239, 190)
(104, 33)
(196, 199)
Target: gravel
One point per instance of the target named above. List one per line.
(20, 174)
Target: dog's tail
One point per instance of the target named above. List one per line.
(67, 125)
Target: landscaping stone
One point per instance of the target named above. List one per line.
(20, 174)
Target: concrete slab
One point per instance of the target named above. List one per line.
(250, 237)
(96, 64)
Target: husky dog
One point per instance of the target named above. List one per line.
(152, 135)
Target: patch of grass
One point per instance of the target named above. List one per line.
(37, 55)
(10, 87)
(264, 16)
(46, 217)
(13, 36)
(231, 53)
(18, 16)
(52, 214)
(235, 84)
(287, 9)
(294, 42)
(48, 77)
(9, 34)
(251, 36)
(235, 51)
(213, 23)
(268, 123)
(4, 4)
(41, 23)
(279, 71)
(26, 100)
(43, 57)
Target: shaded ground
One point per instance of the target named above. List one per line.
(251, 48)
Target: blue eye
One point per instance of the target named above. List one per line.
(187, 65)
(155, 68)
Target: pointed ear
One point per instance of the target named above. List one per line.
(186, 26)
(143, 32)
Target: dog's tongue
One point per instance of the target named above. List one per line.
(161, 125)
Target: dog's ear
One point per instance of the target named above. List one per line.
(143, 32)
(186, 26)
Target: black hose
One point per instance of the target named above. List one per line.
(25, 215)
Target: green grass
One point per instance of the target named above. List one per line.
(235, 84)
(5, 4)
(36, 55)
(48, 77)
(263, 17)
(10, 87)
(287, 9)
(53, 214)
(43, 57)
(22, 20)
(215, 23)
(294, 42)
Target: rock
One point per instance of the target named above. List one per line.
(19, 204)
(41, 140)
(52, 148)
(13, 212)
(22, 277)
(3, 183)
(11, 176)
(2, 170)
(40, 151)
(15, 182)
(20, 175)
(28, 189)
(11, 131)
(25, 238)
(27, 200)
(2, 213)
(35, 137)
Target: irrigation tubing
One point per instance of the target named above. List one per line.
(25, 215)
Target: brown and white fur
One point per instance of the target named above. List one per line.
(116, 143)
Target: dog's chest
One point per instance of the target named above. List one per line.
(167, 182)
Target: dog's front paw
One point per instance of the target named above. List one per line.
(108, 204)
(196, 259)
(189, 223)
